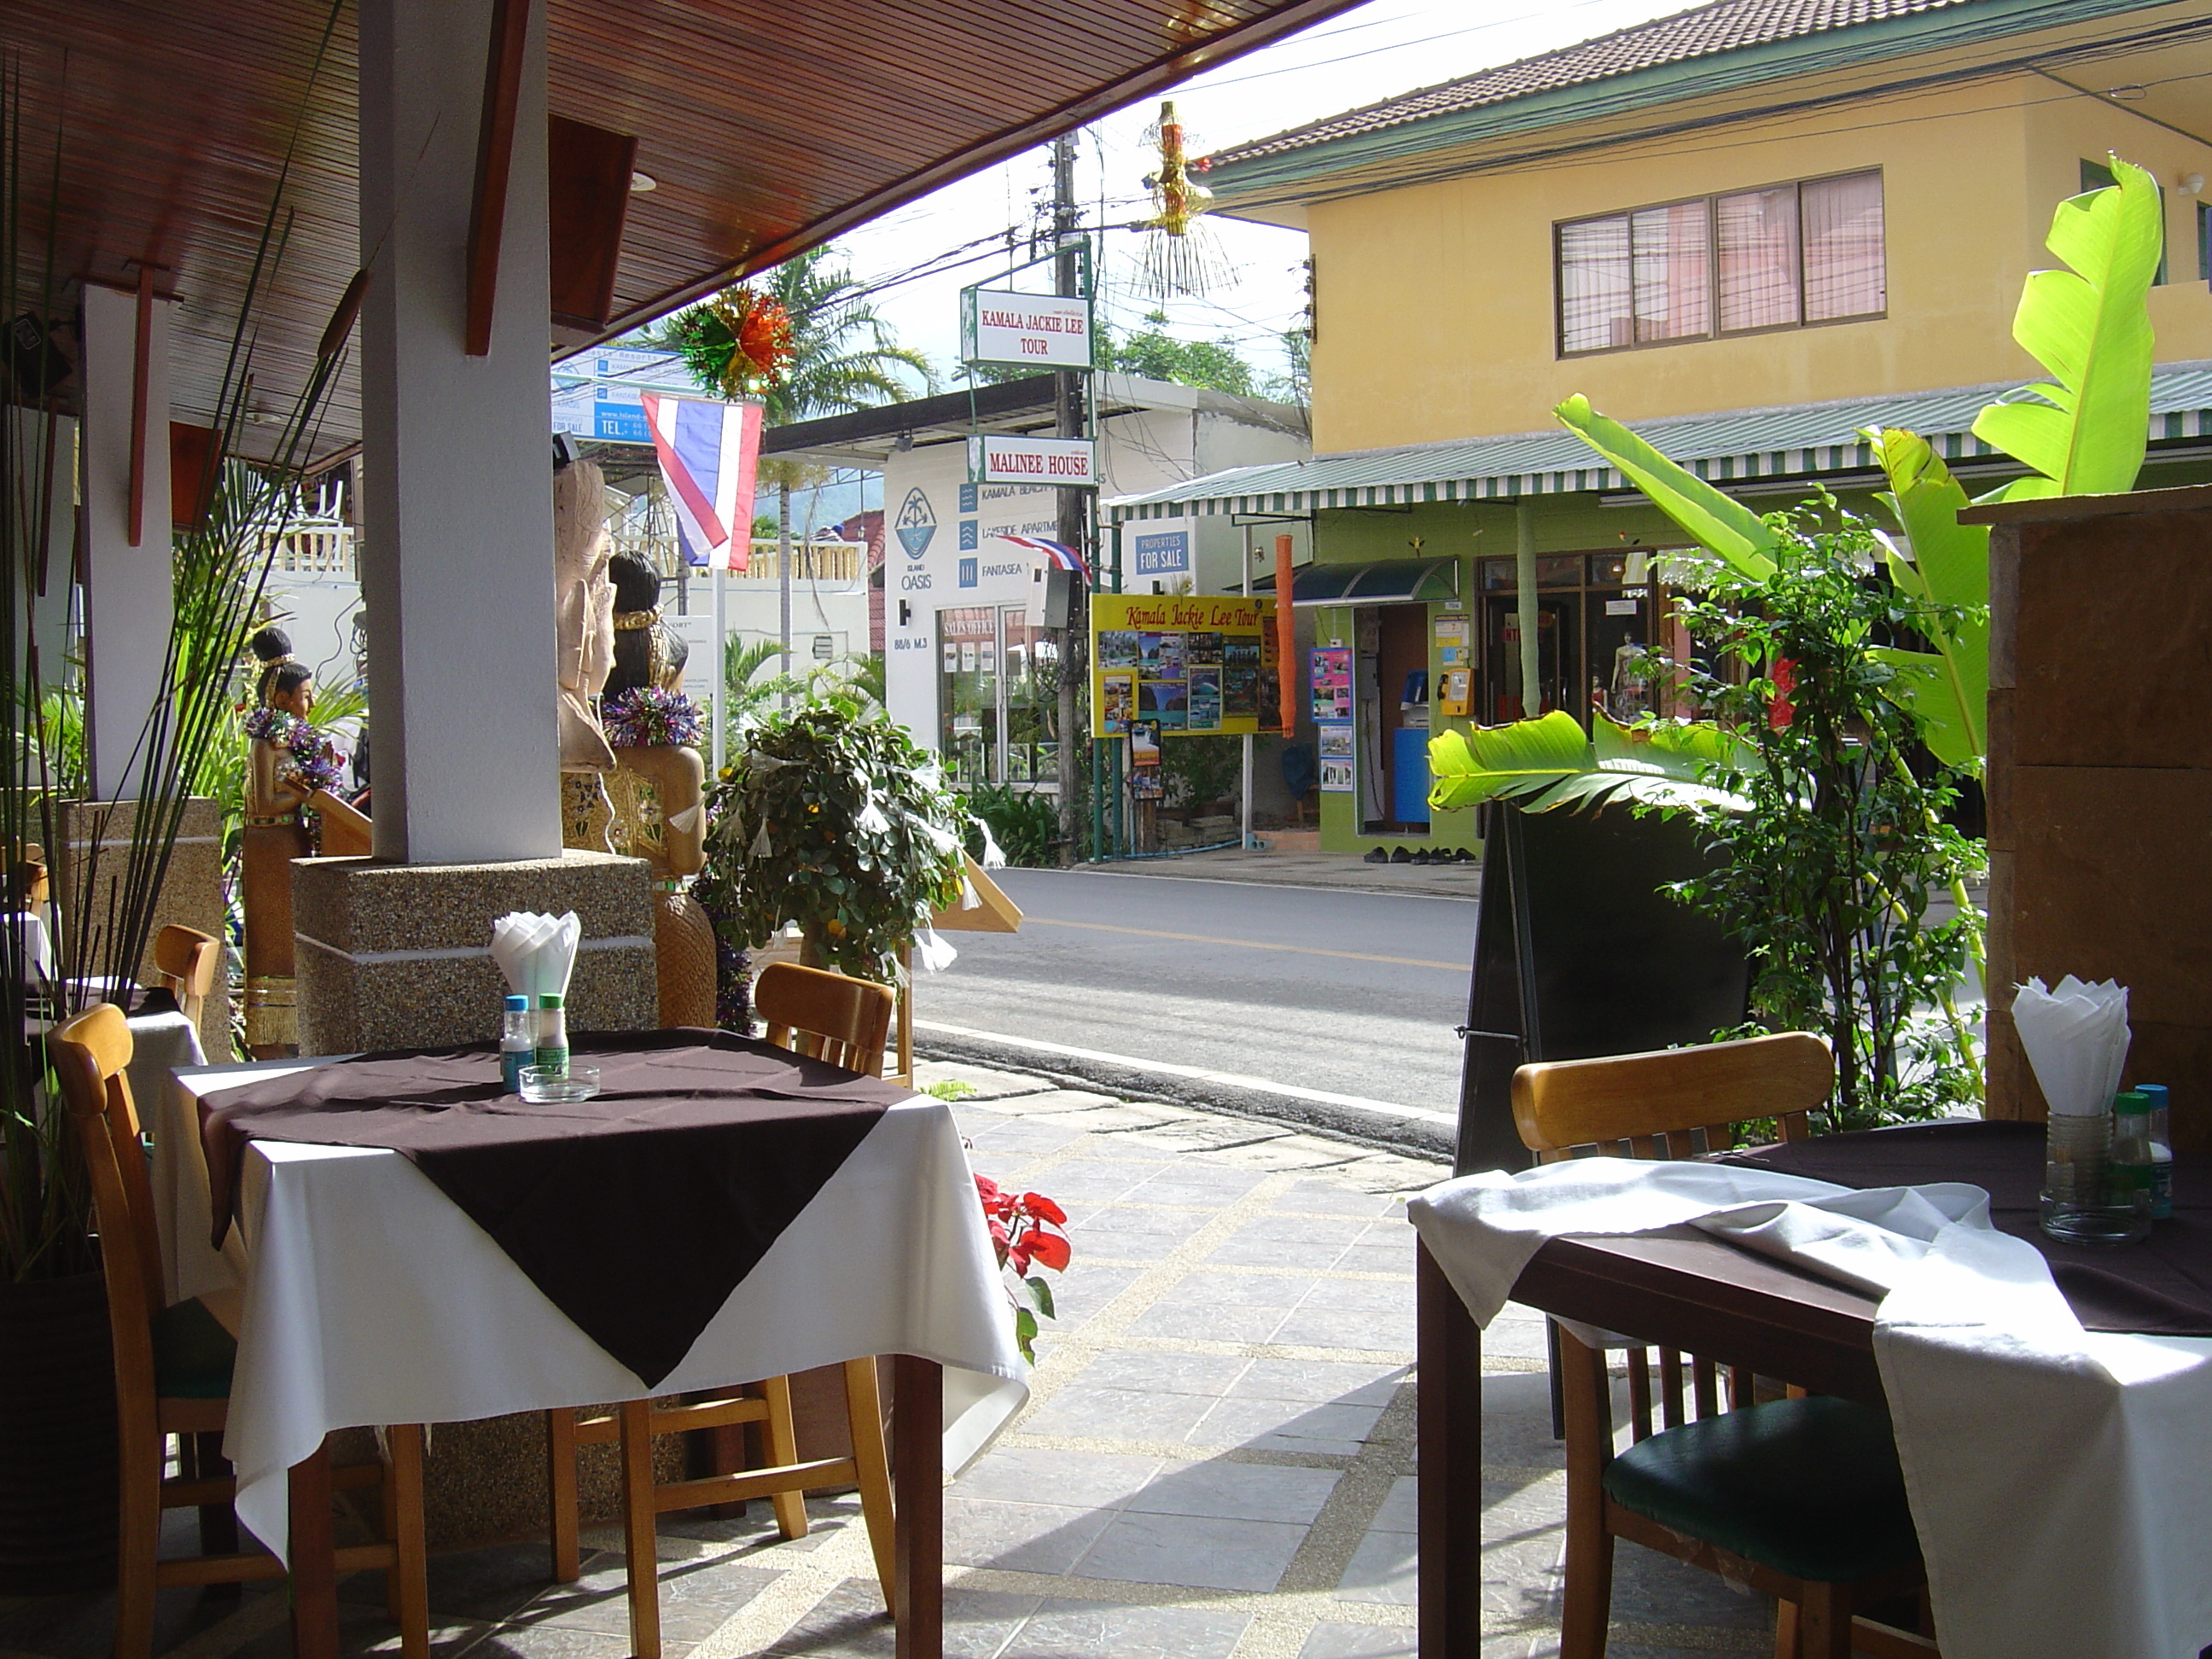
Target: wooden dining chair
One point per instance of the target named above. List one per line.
(172, 1372)
(845, 1022)
(1800, 1497)
(185, 962)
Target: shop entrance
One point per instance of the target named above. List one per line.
(1391, 692)
(1595, 616)
(995, 697)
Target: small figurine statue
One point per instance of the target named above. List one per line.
(658, 787)
(646, 652)
(290, 759)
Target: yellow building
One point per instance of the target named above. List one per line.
(1750, 229)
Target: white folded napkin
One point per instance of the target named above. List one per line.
(2077, 1038)
(536, 953)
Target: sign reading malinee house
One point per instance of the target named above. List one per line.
(1194, 665)
(1025, 330)
(993, 457)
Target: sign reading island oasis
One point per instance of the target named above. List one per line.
(995, 458)
(1186, 664)
(1025, 330)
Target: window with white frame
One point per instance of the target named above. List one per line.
(1782, 255)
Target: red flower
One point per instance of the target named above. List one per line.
(1044, 1209)
(1782, 710)
(1049, 1248)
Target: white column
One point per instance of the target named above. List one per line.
(456, 557)
(129, 592)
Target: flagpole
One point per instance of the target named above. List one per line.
(721, 665)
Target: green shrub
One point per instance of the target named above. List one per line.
(1025, 825)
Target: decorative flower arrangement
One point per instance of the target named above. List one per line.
(1025, 1230)
(741, 341)
(313, 763)
(650, 718)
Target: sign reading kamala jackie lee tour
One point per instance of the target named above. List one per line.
(1035, 331)
(1189, 664)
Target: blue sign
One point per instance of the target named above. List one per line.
(1166, 553)
(916, 524)
(967, 535)
(967, 573)
(623, 422)
(967, 498)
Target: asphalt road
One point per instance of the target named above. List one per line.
(1349, 991)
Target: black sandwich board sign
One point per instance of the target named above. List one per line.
(1577, 953)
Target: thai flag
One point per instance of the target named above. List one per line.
(1058, 553)
(709, 453)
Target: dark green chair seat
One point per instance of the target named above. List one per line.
(192, 1353)
(1810, 1487)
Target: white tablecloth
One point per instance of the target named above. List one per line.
(2059, 1479)
(369, 1297)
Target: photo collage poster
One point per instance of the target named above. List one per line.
(1185, 666)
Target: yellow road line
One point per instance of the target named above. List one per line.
(1246, 943)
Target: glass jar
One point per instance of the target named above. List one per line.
(2087, 1199)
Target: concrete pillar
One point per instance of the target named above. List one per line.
(129, 596)
(457, 553)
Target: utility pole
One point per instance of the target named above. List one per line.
(1074, 504)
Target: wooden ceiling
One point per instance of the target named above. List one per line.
(770, 125)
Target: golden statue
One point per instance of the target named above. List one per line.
(287, 762)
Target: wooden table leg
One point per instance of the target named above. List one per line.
(313, 1559)
(1448, 1459)
(918, 1505)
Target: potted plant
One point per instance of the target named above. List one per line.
(832, 819)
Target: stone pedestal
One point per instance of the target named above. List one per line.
(396, 955)
(190, 895)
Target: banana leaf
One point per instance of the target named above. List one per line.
(2090, 329)
(1550, 763)
(1715, 521)
(1949, 567)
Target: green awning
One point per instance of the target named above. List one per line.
(1801, 441)
(1390, 581)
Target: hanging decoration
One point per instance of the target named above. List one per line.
(737, 344)
(1182, 255)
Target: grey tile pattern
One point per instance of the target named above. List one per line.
(1217, 1461)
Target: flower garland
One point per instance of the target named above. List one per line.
(650, 718)
(310, 758)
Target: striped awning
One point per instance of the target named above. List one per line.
(1800, 441)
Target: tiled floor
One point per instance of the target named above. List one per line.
(1216, 1462)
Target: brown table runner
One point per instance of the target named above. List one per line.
(636, 1212)
(2162, 1287)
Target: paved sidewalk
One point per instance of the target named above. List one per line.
(1216, 1462)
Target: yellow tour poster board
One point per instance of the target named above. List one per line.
(1196, 664)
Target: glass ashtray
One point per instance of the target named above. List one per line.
(549, 1083)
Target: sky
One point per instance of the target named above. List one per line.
(1360, 56)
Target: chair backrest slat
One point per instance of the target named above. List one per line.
(1675, 1104)
(187, 960)
(89, 1054)
(828, 1015)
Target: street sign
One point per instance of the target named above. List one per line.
(995, 458)
(1025, 330)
